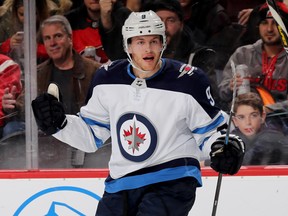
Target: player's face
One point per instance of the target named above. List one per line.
(92, 5)
(145, 51)
(248, 120)
(269, 32)
(172, 23)
(57, 42)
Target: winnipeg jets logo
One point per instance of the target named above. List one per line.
(186, 69)
(136, 136)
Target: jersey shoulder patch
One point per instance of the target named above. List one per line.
(108, 64)
(186, 69)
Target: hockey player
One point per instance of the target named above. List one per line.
(162, 121)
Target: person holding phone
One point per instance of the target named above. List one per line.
(17, 39)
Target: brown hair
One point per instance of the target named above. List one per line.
(250, 99)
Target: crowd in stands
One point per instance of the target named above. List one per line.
(74, 38)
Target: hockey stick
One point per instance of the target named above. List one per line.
(280, 24)
(219, 180)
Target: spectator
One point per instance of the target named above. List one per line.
(12, 22)
(180, 39)
(154, 165)
(10, 84)
(246, 14)
(238, 10)
(12, 18)
(85, 25)
(11, 44)
(113, 14)
(266, 60)
(64, 67)
(251, 34)
(205, 25)
(212, 28)
(264, 146)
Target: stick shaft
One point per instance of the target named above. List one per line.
(217, 192)
(219, 180)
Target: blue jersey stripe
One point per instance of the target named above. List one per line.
(93, 122)
(90, 122)
(210, 127)
(132, 182)
(202, 144)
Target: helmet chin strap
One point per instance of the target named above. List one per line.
(136, 67)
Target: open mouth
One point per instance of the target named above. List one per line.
(149, 58)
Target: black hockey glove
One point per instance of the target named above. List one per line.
(49, 113)
(227, 158)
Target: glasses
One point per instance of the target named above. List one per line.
(252, 116)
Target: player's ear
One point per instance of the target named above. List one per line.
(129, 49)
(263, 116)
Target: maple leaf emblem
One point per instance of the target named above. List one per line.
(134, 137)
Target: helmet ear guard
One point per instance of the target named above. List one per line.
(143, 23)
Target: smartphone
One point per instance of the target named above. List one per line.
(20, 34)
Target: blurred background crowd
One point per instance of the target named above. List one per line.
(236, 43)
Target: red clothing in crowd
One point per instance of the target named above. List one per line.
(41, 51)
(86, 33)
(10, 74)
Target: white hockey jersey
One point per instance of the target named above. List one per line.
(159, 126)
